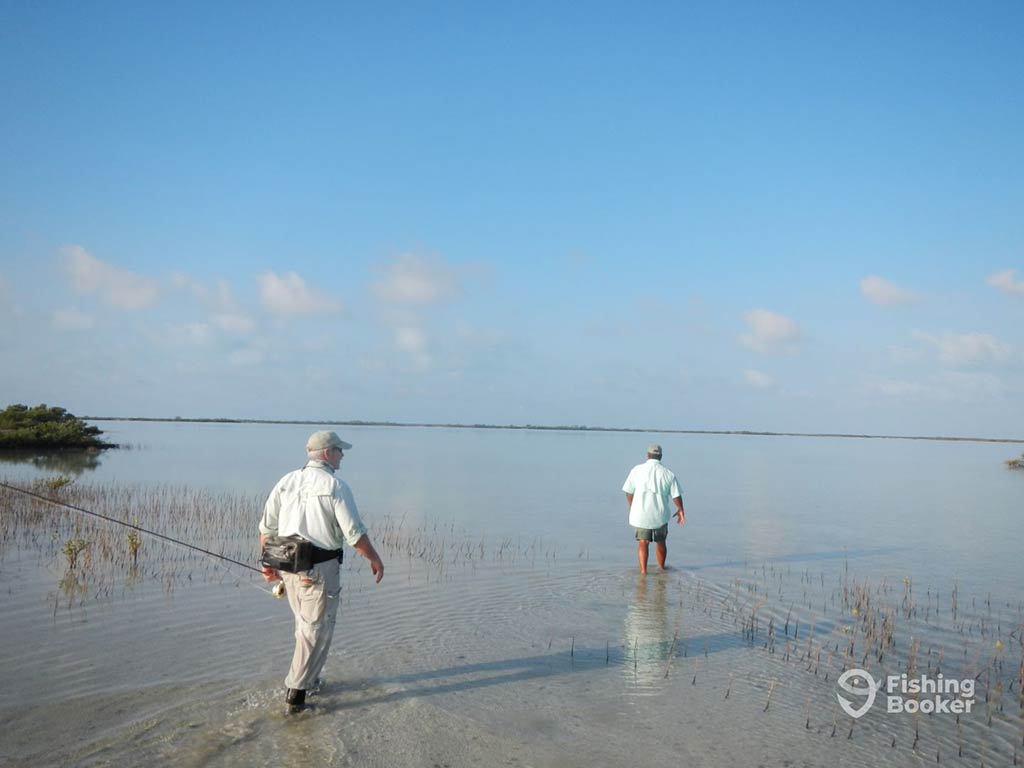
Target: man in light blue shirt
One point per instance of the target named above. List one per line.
(651, 490)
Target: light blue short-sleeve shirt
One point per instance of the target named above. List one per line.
(653, 487)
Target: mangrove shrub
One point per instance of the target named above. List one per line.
(46, 427)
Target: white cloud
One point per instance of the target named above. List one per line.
(233, 322)
(758, 379)
(247, 357)
(72, 319)
(289, 295)
(950, 386)
(180, 280)
(880, 291)
(185, 335)
(226, 314)
(116, 287)
(967, 350)
(770, 332)
(974, 386)
(475, 336)
(1007, 282)
(416, 280)
(898, 388)
(903, 355)
(411, 338)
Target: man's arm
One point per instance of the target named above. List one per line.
(629, 502)
(365, 548)
(269, 574)
(680, 513)
(268, 527)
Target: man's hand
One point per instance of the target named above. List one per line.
(680, 516)
(365, 548)
(269, 574)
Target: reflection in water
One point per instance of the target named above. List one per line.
(65, 462)
(649, 639)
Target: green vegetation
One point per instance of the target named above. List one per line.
(51, 484)
(134, 545)
(72, 549)
(22, 427)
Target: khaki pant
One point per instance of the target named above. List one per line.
(313, 596)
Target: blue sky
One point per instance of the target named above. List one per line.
(778, 216)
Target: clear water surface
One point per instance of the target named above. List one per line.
(561, 654)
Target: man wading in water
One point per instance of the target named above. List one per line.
(315, 506)
(651, 489)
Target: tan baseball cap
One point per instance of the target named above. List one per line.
(326, 439)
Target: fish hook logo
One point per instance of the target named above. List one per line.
(869, 689)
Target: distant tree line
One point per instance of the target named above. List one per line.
(46, 427)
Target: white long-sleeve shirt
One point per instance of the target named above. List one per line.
(314, 504)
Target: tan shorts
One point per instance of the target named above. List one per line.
(652, 534)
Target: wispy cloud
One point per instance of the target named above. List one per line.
(975, 386)
(225, 312)
(758, 379)
(898, 388)
(967, 350)
(880, 291)
(246, 357)
(416, 280)
(72, 319)
(289, 295)
(770, 332)
(949, 386)
(474, 336)
(183, 335)
(115, 287)
(413, 340)
(408, 287)
(1007, 282)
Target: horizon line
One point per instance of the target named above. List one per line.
(555, 428)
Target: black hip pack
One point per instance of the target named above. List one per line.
(294, 554)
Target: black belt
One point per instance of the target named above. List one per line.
(323, 555)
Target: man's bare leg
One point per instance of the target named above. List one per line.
(662, 551)
(641, 552)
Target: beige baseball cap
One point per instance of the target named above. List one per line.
(326, 439)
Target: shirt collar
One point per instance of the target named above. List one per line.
(320, 464)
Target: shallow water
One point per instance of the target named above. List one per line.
(532, 640)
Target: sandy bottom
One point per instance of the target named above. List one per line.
(540, 665)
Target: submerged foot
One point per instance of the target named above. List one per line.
(295, 698)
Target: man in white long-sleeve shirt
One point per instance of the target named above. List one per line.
(314, 504)
(651, 490)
